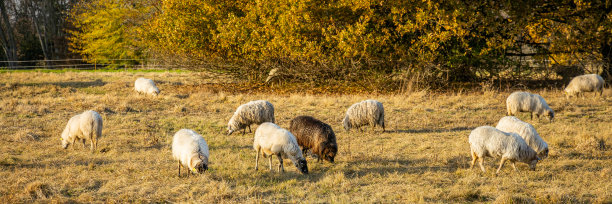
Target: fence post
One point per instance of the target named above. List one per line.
(95, 65)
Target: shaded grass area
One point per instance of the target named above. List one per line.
(423, 157)
(42, 70)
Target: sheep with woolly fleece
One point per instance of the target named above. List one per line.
(512, 124)
(190, 150)
(87, 125)
(585, 83)
(527, 102)
(146, 86)
(253, 112)
(315, 135)
(491, 142)
(367, 112)
(270, 139)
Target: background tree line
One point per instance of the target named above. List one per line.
(392, 43)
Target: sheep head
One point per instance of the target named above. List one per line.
(550, 114)
(302, 166)
(199, 164)
(346, 123)
(64, 138)
(533, 162)
(233, 126)
(543, 154)
(329, 153)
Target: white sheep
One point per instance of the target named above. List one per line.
(87, 125)
(191, 151)
(489, 141)
(512, 124)
(146, 86)
(254, 112)
(585, 83)
(368, 112)
(527, 102)
(270, 139)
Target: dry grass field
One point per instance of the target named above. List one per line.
(424, 156)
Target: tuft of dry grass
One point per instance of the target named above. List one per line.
(423, 157)
(38, 190)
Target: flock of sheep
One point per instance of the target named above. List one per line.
(512, 139)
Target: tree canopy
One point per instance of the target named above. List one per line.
(449, 41)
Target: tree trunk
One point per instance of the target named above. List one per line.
(7, 36)
(606, 53)
(41, 35)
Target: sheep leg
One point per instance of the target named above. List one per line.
(257, 159)
(474, 158)
(601, 92)
(73, 143)
(83, 141)
(280, 164)
(179, 165)
(250, 131)
(481, 163)
(92, 147)
(383, 126)
(243, 131)
(501, 164)
(531, 115)
(514, 166)
(270, 162)
(95, 143)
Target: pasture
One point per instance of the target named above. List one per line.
(423, 156)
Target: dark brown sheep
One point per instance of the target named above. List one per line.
(315, 135)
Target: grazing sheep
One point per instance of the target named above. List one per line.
(315, 135)
(585, 83)
(489, 141)
(254, 112)
(512, 124)
(146, 86)
(527, 102)
(368, 112)
(272, 74)
(191, 151)
(87, 125)
(270, 139)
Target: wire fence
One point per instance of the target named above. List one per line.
(83, 64)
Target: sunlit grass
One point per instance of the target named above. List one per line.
(424, 156)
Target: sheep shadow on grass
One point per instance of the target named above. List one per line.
(382, 166)
(426, 130)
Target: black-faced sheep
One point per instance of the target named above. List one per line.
(87, 125)
(491, 142)
(526, 102)
(270, 139)
(254, 112)
(585, 83)
(146, 86)
(368, 112)
(314, 135)
(190, 150)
